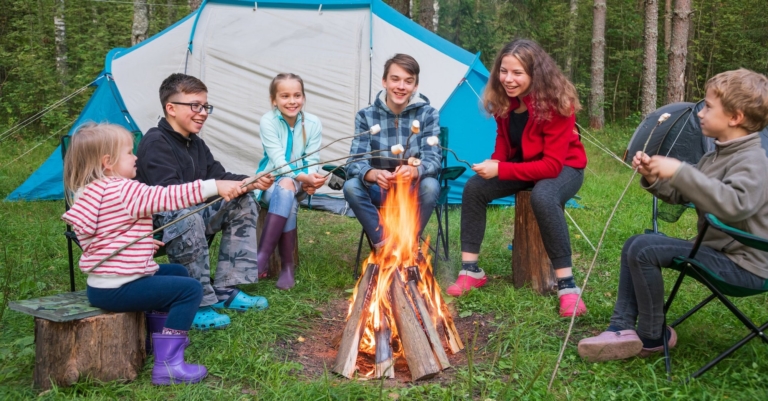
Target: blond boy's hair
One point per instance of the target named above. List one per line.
(82, 163)
(745, 91)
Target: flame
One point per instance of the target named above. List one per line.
(400, 220)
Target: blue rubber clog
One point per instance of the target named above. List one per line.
(241, 302)
(206, 318)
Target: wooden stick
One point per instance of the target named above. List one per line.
(418, 352)
(385, 365)
(346, 358)
(454, 340)
(426, 318)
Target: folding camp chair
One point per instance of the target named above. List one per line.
(71, 236)
(690, 266)
(447, 174)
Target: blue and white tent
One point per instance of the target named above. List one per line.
(236, 47)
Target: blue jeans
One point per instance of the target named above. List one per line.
(283, 202)
(365, 202)
(641, 287)
(169, 290)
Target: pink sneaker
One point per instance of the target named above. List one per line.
(646, 352)
(466, 281)
(610, 345)
(568, 303)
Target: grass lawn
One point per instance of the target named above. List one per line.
(520, 334)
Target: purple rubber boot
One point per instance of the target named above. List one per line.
(270, 234)
(287, 244)
(170, 367)
(155, 324)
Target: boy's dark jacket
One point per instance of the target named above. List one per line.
(729, 182)
(166, 157)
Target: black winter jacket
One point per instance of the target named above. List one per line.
(166, 157)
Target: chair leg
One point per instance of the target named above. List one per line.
(355, 274)
(730, 351)
(445, 230)
(693, 310)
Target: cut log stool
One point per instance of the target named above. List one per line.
(75, 339)
(530, 263)
(274, 260)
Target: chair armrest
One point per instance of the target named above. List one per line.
(338, 172)
(452, 173)
(744, 237)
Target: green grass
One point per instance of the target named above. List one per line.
(248, 361)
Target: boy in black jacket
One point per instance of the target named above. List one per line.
(172, 153)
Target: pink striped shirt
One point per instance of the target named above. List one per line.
(112, 212)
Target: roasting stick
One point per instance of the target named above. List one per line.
(662, 118)
(215, 200)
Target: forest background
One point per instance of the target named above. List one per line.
(617, 52)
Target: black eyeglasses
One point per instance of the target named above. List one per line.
(197, 107)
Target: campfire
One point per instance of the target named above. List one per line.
(397, 310)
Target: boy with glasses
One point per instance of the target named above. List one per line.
(171, 154)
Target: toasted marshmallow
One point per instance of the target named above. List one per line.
(413, 161)
(664, 117)
(433, 141)
(397, 149)
(375, 129)
(415, 126)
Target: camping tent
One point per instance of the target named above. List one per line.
(236, 47)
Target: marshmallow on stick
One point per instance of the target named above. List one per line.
(375, 129)
(433, 141)
(415, 127)
(413, 161)
(397, 149)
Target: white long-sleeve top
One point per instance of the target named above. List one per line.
(112, 212)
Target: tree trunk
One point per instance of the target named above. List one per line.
(651, 39)
(597, 94)
(436, 17)
(105, 347)
(427, 14)
(402, 6)
(574, 15)
(530, 263)
(140, 22)
(667, 25)
(60, 38)
(171, 13)
(678, 50)
(194, 5)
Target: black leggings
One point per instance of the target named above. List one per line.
(548, 199)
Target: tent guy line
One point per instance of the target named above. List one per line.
(42, 142)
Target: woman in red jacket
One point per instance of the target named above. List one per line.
(538, 147)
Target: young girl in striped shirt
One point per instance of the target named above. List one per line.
(109, 210)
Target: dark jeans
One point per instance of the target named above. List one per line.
(548, 198)
(169, 290)
(641, 287)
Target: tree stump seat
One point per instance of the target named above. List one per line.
(74, 339)
(530, 262)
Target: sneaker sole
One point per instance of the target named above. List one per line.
(610, 352)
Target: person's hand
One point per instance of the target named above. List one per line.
(487, 169)
(156, 244)
(314, 180)
(640, 163)
(663, 167)
(263, 182)
(229, 189)
(407, 173)
(383, 178)
(310, 190)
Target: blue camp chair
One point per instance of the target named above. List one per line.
(447, 174)
(690, 266)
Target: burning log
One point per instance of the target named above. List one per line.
(385, 364)
(416, 347)
(426, 320)
(454, 340)
(346, 359)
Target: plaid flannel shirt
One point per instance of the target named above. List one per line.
(395, 129)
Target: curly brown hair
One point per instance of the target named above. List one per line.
(550, 89)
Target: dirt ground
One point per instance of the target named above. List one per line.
(316, 348)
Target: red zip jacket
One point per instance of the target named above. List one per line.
(547, 146)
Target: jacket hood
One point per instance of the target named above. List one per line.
(417, 100)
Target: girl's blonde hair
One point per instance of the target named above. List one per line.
(284, 76)
(89, 144)
(550, 90)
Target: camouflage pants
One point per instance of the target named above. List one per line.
(186, 243)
